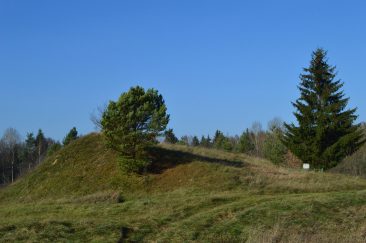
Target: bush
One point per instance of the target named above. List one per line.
(120, 198)
(274, 150)
(133, 165)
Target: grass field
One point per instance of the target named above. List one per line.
(189, 194)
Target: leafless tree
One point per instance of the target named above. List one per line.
(3, 161)
(257, 131)
(276, 124)
(11, 139)
(97, 115)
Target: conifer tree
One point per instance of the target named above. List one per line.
(246, 144)
(30, 150)
(218, 139)
(41, 145)
(131, 125)
(170, 137)
(326, 132)
(203, 142)
(195, 141)
(71, 136)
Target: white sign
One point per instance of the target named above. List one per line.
(306, 166)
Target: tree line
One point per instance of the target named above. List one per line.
(19, 156)
(253, 141)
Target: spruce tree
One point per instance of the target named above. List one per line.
(71, 136)
(326, 132)
(29, 152)
(203, 142)
(195, 141)
(41, 145)
(219, 139)
(246, 144)
(170, 137)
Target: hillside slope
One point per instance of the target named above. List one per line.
(353, 165)
(189, 194)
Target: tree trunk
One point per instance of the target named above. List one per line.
(3, 173)
(12, 168)
(39, 154)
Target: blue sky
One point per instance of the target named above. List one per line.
(218, 64)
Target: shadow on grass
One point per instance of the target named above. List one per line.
(163, 159)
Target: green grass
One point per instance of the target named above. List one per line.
(189, 194)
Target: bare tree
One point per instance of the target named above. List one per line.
(11, 139)
(97, 115)
(3, 161)
(276, 124)
(257, 132)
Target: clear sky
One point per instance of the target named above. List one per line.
(218, 64)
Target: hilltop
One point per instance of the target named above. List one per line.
(188, 194)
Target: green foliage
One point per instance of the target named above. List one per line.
(274, 149)
(54, 148)
(220, 141)
(133, 165)
(132, 124)
(71, 136)
(40, 140)
(29, 151)
(206, 142)
(184, 140)
(227, 145)
(30, 142)
(170, 137)
(41, 146)
(246, 144)
(326, 132)
(195, 141)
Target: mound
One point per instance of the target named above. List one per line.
(83, 167)
(86, 168)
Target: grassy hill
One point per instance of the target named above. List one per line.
(189, 194)
(354, 165)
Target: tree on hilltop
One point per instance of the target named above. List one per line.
(195, 141)
(132, 123)
(71, 136)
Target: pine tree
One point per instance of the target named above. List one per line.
(41, 145)
(30, 150)
(132, 124)
(195, 141)
(203, 142)
(71, 136)
(326, 132)
(170, 137)
(246, 144)
(219, 139)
